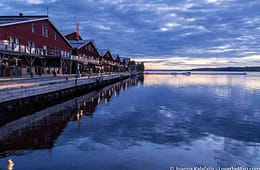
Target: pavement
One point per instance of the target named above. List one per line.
(16, 82)
(22, 82)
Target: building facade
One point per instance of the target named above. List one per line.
(108, 62)
(85, 52)
(32, 45)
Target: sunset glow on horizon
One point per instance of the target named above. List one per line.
(192, 62)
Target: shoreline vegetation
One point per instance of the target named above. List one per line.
(239, 69)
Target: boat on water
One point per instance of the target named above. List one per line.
(186, 73)
(182, 73)
(208, 73)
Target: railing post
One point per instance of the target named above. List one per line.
(12, 45)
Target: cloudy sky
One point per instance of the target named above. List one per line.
(163, 33)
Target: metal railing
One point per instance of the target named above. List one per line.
(86, 60)
(18, 48)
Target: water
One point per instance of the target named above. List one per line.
(160, 122)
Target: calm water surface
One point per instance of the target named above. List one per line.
(152, 123)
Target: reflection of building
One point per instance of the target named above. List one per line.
(39, 131)
(38, 135)
(32, 45)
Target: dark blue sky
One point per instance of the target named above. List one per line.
(163, 33)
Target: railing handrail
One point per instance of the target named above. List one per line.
(14, 47)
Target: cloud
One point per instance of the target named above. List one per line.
(213, 1)
(31, 2)
(102, 27)
(196, 62)
(161, 29)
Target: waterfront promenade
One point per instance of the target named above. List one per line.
(15, 88)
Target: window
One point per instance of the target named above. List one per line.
(31, 44)
(33, 27)
(11, 42)
(11, 39)
(45, 50)
(55, 36)
(17, 41)
(45, 30)
(89, 47)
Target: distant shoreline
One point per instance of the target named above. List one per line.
(237, 69)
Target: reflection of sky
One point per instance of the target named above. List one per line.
(170, 121)
(250, 81)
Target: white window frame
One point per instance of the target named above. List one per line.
(45, 31)
(33, 28)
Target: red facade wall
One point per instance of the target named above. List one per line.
(117, 59)
(24, 33)
(108, 56)
(84, 51)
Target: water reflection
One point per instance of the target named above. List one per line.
(164, 121)
(249, 81)
(40, 130)
(10, 164)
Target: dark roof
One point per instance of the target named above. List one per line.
(102, 52)
(114, 56)
(19, 19)
(79, 43)
(124, 58)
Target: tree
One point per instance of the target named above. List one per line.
(140, 67)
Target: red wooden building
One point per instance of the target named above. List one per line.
(117, 62)
(85, 52)
(107, 60)
(73, 36)
(124, 62)
(32, 45)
